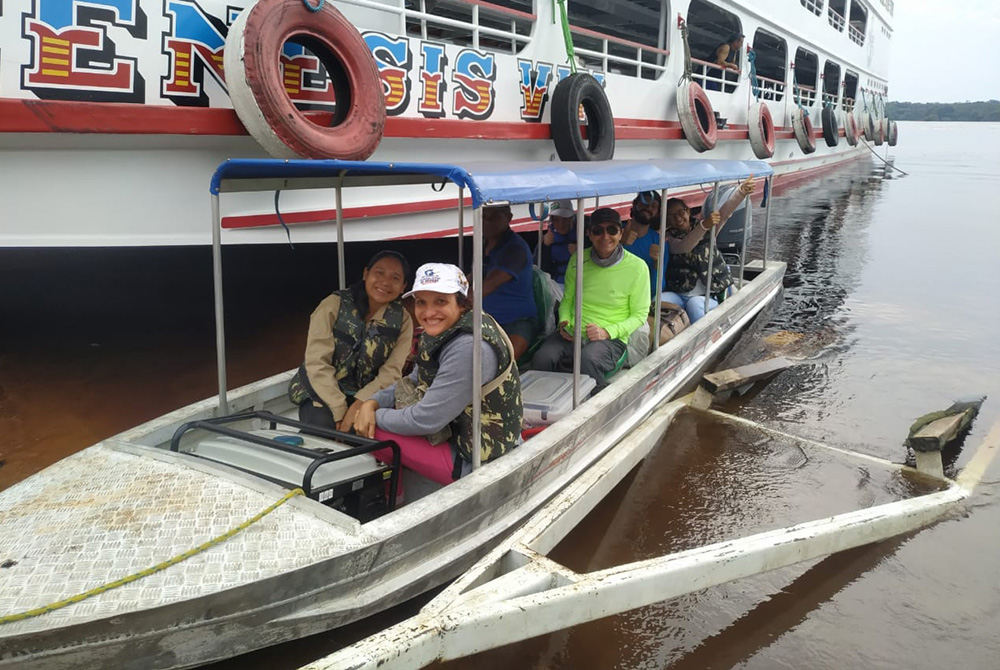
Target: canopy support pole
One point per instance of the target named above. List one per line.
(664, 250)
(747, 222)
(711, 248)
(578, 306)
(768, 186)
(461, 227)
(220, 319)
(341, 270)
(477, 336)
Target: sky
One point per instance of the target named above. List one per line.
(945, 51)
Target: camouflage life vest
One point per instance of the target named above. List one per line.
(684, 270)
(502, 410)
(360, 351)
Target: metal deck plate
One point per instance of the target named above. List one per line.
(101, 515)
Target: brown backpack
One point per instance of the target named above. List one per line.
(673, 319)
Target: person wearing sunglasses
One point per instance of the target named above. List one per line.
(615, 303)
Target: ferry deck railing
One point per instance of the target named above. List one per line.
(847, 104)
(814, 6)
(836, 19)
(518, 35)
(830, 99)
(806, 95)
(771, 89)
(856, 35)
(711, 77)
(647, 59)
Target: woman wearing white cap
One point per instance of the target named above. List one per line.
(429, 413)
(560, 238)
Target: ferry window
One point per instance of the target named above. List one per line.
(771, 65)
(814, 6)
(626, 37)
(857, 22)
(480, 25)
(836, 11)
(709, 28)
(805, 69)
(831, 84)
(850, 90)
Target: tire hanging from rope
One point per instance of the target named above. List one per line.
(694, 109)
(580, 91)
(760, 124)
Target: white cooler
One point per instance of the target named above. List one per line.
(548, 396)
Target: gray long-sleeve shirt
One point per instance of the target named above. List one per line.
(448, 395)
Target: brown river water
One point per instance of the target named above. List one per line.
(892, 285)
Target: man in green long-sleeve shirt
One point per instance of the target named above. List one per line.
(615, 303)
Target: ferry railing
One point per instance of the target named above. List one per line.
(836, 19)
(711, 77)
(856, 35)
(771, 89)
(805, 94)
(604, 55)
(847, 104)
(421, 18)
(830, 98)
(814, 6)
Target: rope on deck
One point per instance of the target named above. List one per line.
(45, 609)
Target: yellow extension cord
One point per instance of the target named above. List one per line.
(45, 609)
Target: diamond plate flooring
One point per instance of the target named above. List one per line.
(101, 515)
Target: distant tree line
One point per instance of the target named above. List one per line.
(944, 111)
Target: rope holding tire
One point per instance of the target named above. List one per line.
(803, 129)
(760, 126)
(831, 127)
(256, 82)
(576, 90)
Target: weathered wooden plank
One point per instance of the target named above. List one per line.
(724, 380)
(936, 434)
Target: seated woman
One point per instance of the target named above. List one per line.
(358, 341)
(433, 424)
(686, 273)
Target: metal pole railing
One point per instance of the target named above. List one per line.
(578, 305)
(341, 270)
(711, 247)
(220, 319)
(660, 264)
(768, 185)
(477, 336)
(461, 227)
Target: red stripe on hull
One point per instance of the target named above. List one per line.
(48, 116)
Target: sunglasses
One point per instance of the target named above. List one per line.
(610, 229)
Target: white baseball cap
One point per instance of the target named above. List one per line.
(562, 208)
(440, 278)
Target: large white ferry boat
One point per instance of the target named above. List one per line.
(113, 107)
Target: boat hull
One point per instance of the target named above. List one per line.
(366, 568)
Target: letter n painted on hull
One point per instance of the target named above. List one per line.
(433, 85)
(76, 51)
(394, 61)
(194, 45)
(474, 75)
(534, 88)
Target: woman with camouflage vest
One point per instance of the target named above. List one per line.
(358, 341)
(429, 413)
(686, 273)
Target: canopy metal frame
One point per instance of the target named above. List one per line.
(487, 184)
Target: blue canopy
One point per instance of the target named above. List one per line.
(489, 182)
